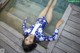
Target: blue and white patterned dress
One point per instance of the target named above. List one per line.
(37, 30)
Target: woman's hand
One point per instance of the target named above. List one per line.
(60, 22)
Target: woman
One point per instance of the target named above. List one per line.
(35, 33)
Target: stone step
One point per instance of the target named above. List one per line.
(34, 9)
(22, 15)
(12, 21)
(31, 8)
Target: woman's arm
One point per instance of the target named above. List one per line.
(49, 38)
(55, 34)
(24, 27)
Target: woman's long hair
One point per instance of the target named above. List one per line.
(28, 48)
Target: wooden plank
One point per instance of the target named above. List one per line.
(71, 36)
(51, 46)
(66, 48)
(7, 48)
(34, 51)
(76, 8)
(40, 49)
(74, 12)
(75, 19)
(72, 30)
(73, 24)
(70, 43)
(10, 43)
(10, 36)
(1, 46)
(57, 50)
(11, 30)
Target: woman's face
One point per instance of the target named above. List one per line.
(29, 39)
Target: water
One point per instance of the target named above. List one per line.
(60, 6)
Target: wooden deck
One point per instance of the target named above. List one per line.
(69, 39)
(68, 42)
(11, 40)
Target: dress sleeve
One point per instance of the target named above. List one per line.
(24, 27)
(49, 38)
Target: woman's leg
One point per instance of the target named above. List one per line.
(44, 12)
(49, 13)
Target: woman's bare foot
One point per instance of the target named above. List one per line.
(60, 22)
